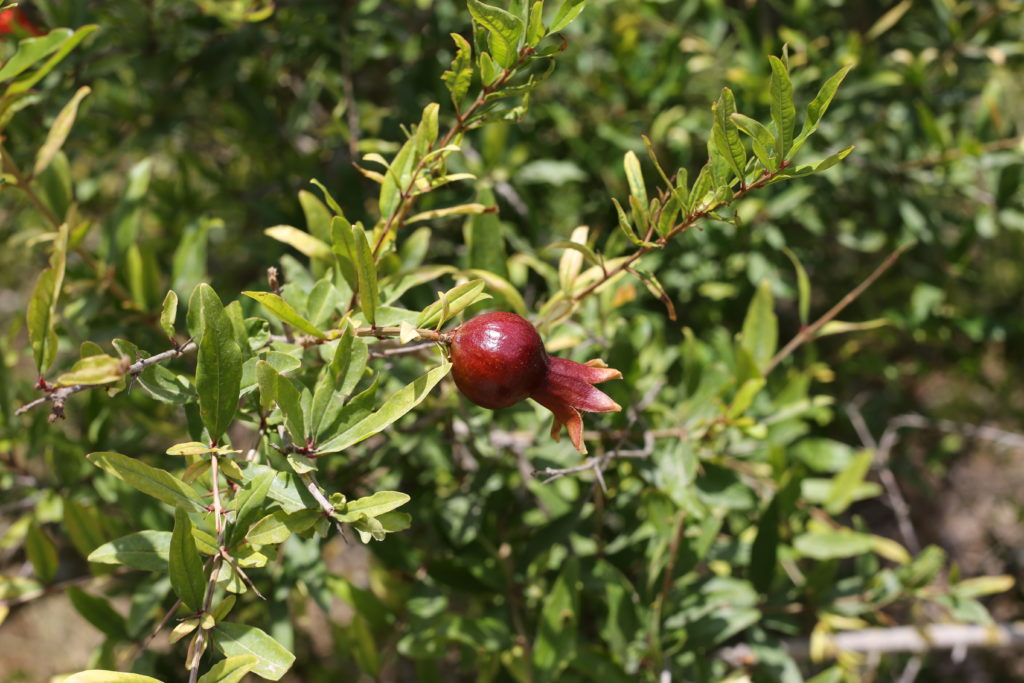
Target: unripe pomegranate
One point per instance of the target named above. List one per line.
(498, 359)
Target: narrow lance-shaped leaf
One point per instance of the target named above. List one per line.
(763, 141)
(803, 285)
(761, 327)
(504, 31)
(367, 276)
(273, 659)
(218, 372)
(284, 312)
(41, 552)
(782, 107)
(248, 504)
(152, 481)
(64, 48)
(819, 105)
(278, 388)
(727, 137)
(59, 131)
(301, 241)
(147, 550)
(567, 12)
(42, 308)
(169, 313)
(185, 565)
(31, 50)
(535, 24)
(397, 405)
(104, 676)
(458, 298)
(378, 504)
(396, 179)
(101, 369)
(460, 76)
(230, 670)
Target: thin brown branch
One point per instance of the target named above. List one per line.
(59, 395)
(200, 641)
(808, 332)
(687, 223)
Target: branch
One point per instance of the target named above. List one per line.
(59, 395)
(897, 501)
(897, 639)
(808, 332)
(199, 643)
(685, 225)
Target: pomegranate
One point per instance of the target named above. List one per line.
(498, 359)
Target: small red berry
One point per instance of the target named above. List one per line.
(498, 359)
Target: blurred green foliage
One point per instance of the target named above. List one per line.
(750, 513)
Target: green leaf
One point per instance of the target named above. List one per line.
(42, 308)
(284, 312)
(218, 375)
(829, 545)
(93, 370)
(567, 12)
(635, 177)
(331, 202)
(397, 405)
(535, 26)
(146, 550)
(278, 388)
(472, 209)
(83, 525)
(761, 327)
(556, 641)
(745, 396)
(31, 50)
(764, 550)
(152, 481)
(169, 313)
(59, 131)
(764, 141)
(98, 612)
(273, 659)
(627, 227)
(42, 553)
(249, 505)
(301, 241)
(726, 135)
(318, 218)
(372, 506)
(186, 567)
(270, 530)
(230, 670)
(322, 303)
(701, 186)
(783, 110)
(458, 299)
(846, 483)
(980, 586)
(367, 272)
(803, 285)
(397, 179)
(104, 676)
(819, 105)
(61, 47)
(459, 77)
(504, 31)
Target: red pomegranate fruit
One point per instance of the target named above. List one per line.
(498, 359)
